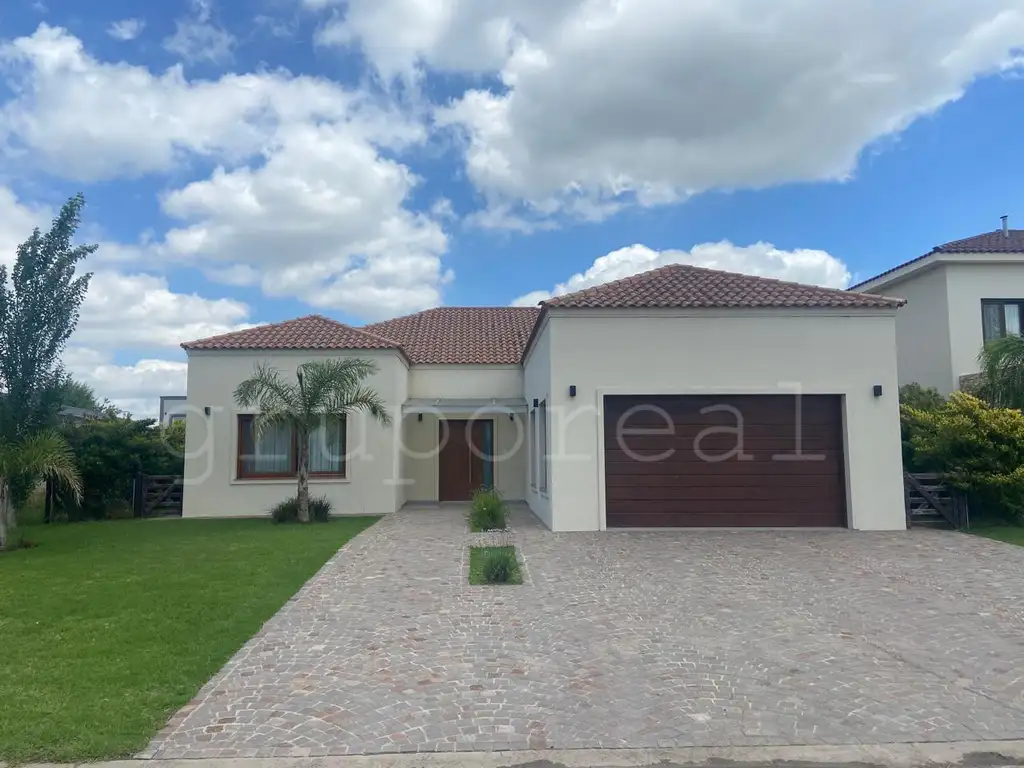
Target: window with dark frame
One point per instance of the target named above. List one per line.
(1000, 318)
(274, 455)
(542, 434)
(531, 440)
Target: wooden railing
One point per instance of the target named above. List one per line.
(931, 503)
(157, 496)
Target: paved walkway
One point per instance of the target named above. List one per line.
(655, 639)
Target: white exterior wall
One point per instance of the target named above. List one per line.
(467, 382)
(749, 352)
(967, 285)
(211, 487)
(922, 330)
(537, 386)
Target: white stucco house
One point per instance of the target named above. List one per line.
(681, 397)
(959, 295)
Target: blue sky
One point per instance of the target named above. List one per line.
(253, 161)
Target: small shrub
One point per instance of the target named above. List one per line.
(287, 511)
(487, 512)
(500, 566)
(494, 565)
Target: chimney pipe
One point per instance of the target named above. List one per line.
(1006, 225)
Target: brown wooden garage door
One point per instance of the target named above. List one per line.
(673, 461)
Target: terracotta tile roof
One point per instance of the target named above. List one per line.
(685, 286)
(466, 335)
(990, 242)
(310, 332)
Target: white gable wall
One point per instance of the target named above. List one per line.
(211, 486)
(967, 284)
(922, 330)
(731, 352)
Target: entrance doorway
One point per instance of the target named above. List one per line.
(465, 462)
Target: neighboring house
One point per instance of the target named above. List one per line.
(70, 414)
(172, 409)
(958, 296)
(677, 397)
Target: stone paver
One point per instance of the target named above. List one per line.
(646, 639)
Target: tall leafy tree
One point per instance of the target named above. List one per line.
(76, 394)
(40, 300)
(321, 390)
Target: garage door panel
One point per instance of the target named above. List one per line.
(723, 443)
(712, 493)
(624, 465)
(722, 506)
(660, 479)
(684, 459)
(722, 481)
(724, 411)
(712, 520)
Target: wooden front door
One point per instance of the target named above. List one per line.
(464, 462)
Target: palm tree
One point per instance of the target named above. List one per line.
(322, 390)
(45, 455)
(1002, 372)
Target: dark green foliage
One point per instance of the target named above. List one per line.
(977, 448)
(494, 565)
(288, 510)
(110, 453)
(918, 398)
(487, 512)
(79, 395)
(1002, 372)
(921, 398)
(39, 304)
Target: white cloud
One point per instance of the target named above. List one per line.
(88, 120)
(135, 388)
(399, 35)
(126, 29)
(303, 200)
(125, 313)
(197, 38)
(17, 221)
(763, 259)
(140, 311)
(644, 102)
(322, 220)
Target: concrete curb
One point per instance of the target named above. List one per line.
(969, 754)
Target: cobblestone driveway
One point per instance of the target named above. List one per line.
(627, 640)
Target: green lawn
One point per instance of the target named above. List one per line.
(107, 628)
(1011, 534)
(477, 556)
